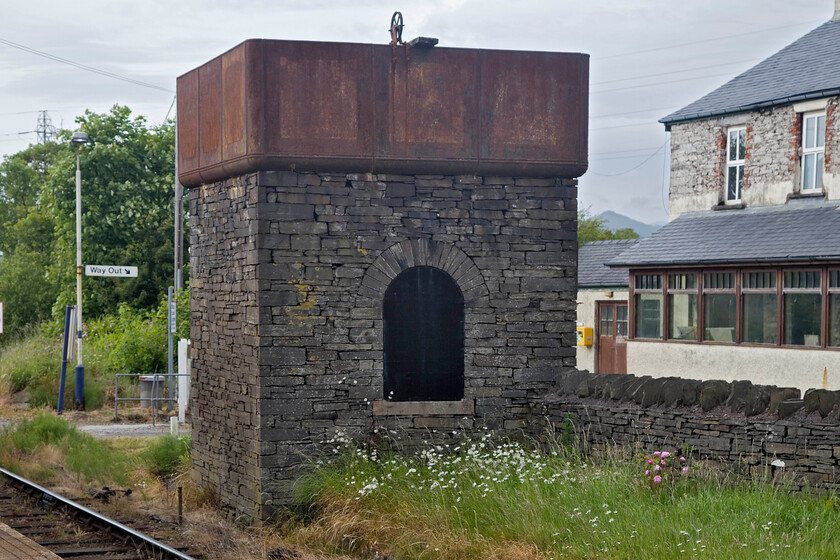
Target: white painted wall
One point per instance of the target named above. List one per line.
(784, 367)
(587, 299)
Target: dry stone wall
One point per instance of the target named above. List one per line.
(746, 427)
(297, 333)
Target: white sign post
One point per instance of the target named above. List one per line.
(110, 270)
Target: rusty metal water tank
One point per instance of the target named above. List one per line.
(316, 106)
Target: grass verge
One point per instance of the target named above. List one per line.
(480, 500)
(45, 447)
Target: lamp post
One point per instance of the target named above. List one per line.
(79, 138)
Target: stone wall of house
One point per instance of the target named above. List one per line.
(698, 164)
(310, 256)
(771, 170)
(746, 427)
(225, 348)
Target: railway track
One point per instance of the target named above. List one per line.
(71, 530)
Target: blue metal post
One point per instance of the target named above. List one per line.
(80, 387)
(65, 357)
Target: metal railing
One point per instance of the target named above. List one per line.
(158, 381)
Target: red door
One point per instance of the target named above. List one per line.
(612, 337)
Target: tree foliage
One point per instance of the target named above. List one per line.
(127, 200)
(592, 228)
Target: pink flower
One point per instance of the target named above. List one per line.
(647, 473)
(665, 454)
(662, 462)
(685, 470)
(650, 461)
(657, 479)
(682, 459)
(657, 468)
(657, 453)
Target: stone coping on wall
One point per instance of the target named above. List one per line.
(464, 407)
(738, 396)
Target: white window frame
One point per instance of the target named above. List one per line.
(815, 152)
(737, 163)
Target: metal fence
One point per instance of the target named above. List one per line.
(150, 389)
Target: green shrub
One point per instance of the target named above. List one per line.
(166, 454)
(43, 429)
(131, 341)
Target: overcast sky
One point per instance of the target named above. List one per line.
(648, 58)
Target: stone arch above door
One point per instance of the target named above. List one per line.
(423, 252)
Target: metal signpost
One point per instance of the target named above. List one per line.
(90, 270)
(79, 138)
(171, 329)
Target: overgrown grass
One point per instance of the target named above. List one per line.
(42, 447)
(482, 500)
(24, 361)
(48, 448)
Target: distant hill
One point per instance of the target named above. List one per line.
(614, 221)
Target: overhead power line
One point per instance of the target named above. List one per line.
(683, 71)
(711, 40)
(635, 167)
(662, 83)
(83, 66)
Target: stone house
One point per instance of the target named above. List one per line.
(744, 281)
(381, 238)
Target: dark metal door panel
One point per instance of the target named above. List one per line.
(423, 312)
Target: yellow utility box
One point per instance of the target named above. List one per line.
(584, 336)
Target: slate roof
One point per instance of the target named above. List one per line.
(808, 68)
(591, 258)
(801, 231)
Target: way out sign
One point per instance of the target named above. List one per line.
(104, 270)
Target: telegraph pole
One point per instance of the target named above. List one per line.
(179, 221)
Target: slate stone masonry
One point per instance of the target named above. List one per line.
(288, 273)
(743, 427)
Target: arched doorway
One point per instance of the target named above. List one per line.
(423, 316)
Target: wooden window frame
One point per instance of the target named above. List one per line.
(776, 290)
(632, 302)
(825, 276)
(669, 291)
(832, 273)
(734, 290)
(820, 290)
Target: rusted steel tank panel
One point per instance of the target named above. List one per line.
(369, 108)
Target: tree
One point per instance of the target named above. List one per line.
(127, 219)
(22, 180)
(592, 228)
(127, 195)
(27, 234)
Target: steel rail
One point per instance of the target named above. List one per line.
(157, 549)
